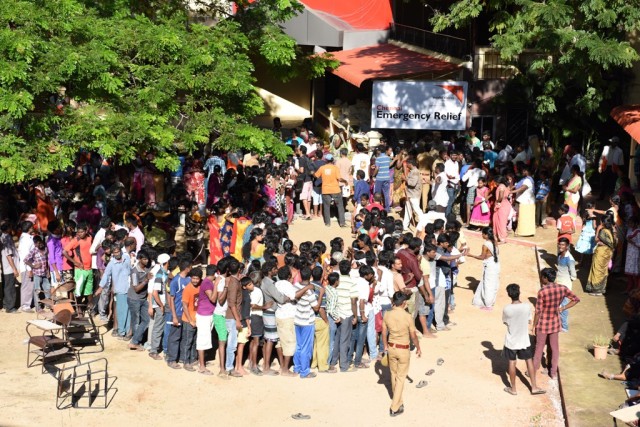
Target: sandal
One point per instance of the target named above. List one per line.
(421, 384)
(430, 372)
(440, 361)
(205, 372)
(174, 365)
(300, 416)
(539, 391)
(510, 391)
(189, 367)
(605, 375)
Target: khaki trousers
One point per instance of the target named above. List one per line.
(321, 346)
(399, 367)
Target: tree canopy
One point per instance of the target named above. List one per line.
(122, 77)
(583, 49)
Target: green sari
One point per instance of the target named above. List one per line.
(602, 255)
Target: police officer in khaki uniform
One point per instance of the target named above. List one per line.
(400, 328)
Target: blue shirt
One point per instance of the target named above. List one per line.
(542, 189)
(382, 162)
(212, 162)
(176, 287)
(297, 139)
(118, 271)
(491, 156)
(361, 187)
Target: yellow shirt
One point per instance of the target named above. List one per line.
(400, 325)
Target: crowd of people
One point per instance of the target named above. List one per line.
(172, 262)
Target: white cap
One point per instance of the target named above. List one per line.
(162, 258)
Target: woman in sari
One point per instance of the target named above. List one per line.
(605, 244)
(526, 198)
(194, 184)
(485, 296)
(501, 211)
(572, 191)
(240, 225)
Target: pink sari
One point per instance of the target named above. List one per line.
(501, 214)
(477, 217)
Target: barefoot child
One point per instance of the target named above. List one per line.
(245, 315)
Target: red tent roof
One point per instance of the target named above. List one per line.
(386, 61)
(628, 116)
(360, 14)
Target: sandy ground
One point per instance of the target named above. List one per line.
(466, 390)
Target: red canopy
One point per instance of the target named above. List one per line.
(386, 61)
(628, 116)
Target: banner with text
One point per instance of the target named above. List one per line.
(436, 105)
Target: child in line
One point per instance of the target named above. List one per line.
(245, 318)
(257, 324)
(587, 241)
(543, 187)
(566, 225)
(189, 303)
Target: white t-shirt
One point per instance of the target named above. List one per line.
(257, 298)
(439, 191)
(517, 317)
(361, 161)
(286, 310)
(429, 218)
(363, 295)
(221, 309)
(452, 168)
(472, 175)
(384, 287)
(528, 197)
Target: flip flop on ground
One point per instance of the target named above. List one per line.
(421, 384)
(510, 391)
(300, 416)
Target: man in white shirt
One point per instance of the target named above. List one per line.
(504, 155)
(452, 170)
(611, 162)
(134, 231)
(517, 344)
(361, 161)
(25, 245)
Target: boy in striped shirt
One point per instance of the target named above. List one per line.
(304, 322)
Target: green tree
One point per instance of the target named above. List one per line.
(583, 52)
(122, 77)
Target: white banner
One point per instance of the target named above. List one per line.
(436, 105)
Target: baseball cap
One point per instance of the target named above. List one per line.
(162, 258)
(614, 139)
(329, 157)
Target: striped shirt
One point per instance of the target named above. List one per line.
(304, 307)
(346, 291)
(382, 162)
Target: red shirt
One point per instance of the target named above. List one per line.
(566, 226)
(410, 264)
(549, 299)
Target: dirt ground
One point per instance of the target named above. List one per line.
(466, 390)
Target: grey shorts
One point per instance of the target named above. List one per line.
(422, 309)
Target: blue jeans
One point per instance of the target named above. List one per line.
(188, 343)
(139, 311)
(175, 336)
(385, 308)
(168, 318)
(383, 187)
(40, 283)
(432, 311)
(358, 338)
(332, 334)
(304, 349)
(232, 343)
(371, 336)
(341, 347)
(564, 316)
(122, 311)
(451, 191)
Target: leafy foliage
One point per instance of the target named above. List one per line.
(137, 76)
(582, 50)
